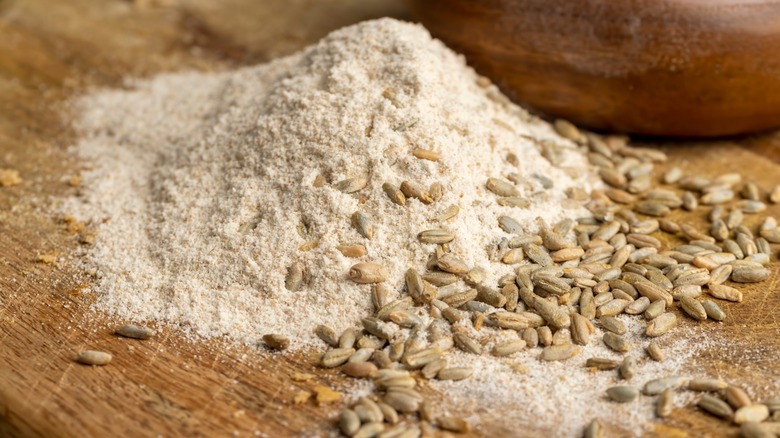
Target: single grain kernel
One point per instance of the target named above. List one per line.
(135, 331)
(623, 394)
(91, 357)
(276, 341)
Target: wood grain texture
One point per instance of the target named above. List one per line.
(166, 386)
(673, 67)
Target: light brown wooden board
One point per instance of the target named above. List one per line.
(51, 50)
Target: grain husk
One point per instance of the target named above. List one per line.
(501, 187)
(450, 263)
(616, 342)
(593, 430)
(135, 331)
(92, 357)
(707, 384)
(413, 190)
(349, 422)
(736, 397)
(752, 429)
(276, 341)
(715, 406)
(327, 335)
(602, 364)
(359, 369)
(724, 292)
(693, 308)
(661, 325)
(560, 352)
(455, 373)
(665, 403)
(453, 424)
(623, 394)
(713, 311)
(628, 368)
(336, 357)
(367, 273)
(657, 386)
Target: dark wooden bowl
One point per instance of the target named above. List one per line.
(690, 68)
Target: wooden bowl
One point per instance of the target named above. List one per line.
(690, 68)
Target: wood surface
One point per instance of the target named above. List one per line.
(50, 50)
(670, 67)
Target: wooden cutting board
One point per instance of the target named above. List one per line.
(50, 50)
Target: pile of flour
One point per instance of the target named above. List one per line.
(204, 188)
(200, 182)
